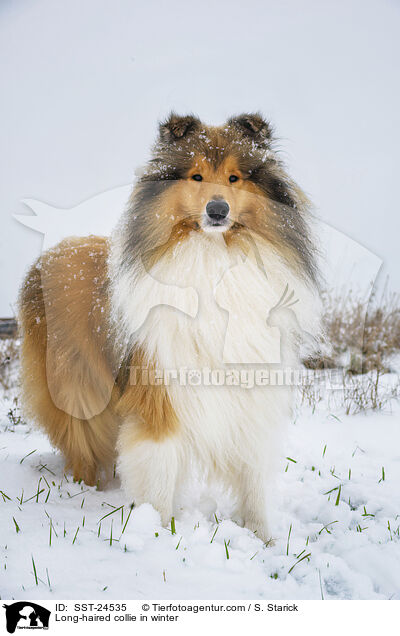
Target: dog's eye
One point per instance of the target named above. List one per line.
(197, 177)
(233, 178)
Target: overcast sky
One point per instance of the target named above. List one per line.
(85, 82)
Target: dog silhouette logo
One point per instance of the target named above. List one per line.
(26, 615)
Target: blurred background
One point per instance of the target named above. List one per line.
(84, 84)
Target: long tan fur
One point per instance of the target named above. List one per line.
(64, 357)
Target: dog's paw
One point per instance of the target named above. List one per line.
(164, 512)
(261, 530)
(239, 520)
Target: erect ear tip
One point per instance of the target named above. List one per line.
(253, 124)
(177, 126)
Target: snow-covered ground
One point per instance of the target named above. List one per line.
(336, 523)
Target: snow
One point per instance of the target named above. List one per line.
(351, 535)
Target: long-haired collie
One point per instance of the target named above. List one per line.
(211, 270)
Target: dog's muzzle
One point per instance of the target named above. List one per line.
(217, 212)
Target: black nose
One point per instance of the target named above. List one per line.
(217, 210)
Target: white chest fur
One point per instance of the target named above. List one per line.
(226, 328)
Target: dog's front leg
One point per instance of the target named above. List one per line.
(252, 500)
(148, 468)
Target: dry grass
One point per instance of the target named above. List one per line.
(348, 392)
(9, 354)
(361, 340)
(361, 334)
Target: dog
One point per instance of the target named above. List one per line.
(212, 201)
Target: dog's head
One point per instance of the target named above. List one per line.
(219, 179)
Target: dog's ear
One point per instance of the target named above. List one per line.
(254, 126)
(177, 127)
